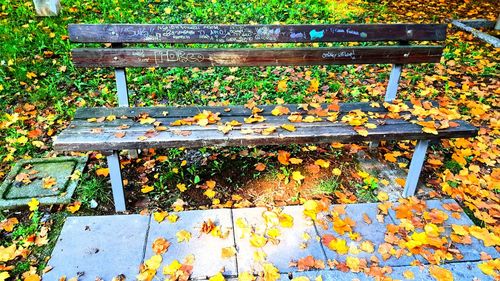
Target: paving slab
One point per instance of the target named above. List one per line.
(290, 245)
(462, 271)
(373, 232)
(25, 181)
(99, 246)
(470, 252)
(206, 248)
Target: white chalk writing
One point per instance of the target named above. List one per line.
(341, 54)
(177, 56)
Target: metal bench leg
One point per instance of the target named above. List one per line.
(116, 181)
(416, 164)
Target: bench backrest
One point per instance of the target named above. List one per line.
(119, 57)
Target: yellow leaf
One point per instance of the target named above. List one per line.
(490, 267)
(33, 204)
(258, 241)
(322, 163)
(271, 218)
(353, 263)
(339, 245)
(280, 110)
(269, 130)
(409, 275)
(33, 277)
(313, 86)
(289, 127)
(172, 268)
(282, 85)
(147, 120)
(210, 193)
(102, 172)
(362, 132)
(181, 187)
(217, 277)
(246, 276)
(8, 224)
(295, 161)
(363, 174)
(183, 235)
(271, 273)
(440, 273)
(5, 275)
(147, 188)
(259, 256)
(111, 117)
(273, 232)
(154, 262)
(30, 75)
(311, 209)
(172, 218)
(7, 253)
(382, 196)
(367, 246)
(225, 128)
(228, 252)
(48, 182)
(160, 216)
(73, 208)
(459, 229)
(429, 130)
(286, 220)
(370, 126)
(336, 172)
(297, 176)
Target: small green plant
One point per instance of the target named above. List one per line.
(366, 191)
(327, 186)
(92, 188)
(453, 166)
(29, 228)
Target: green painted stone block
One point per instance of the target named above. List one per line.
(15, 192)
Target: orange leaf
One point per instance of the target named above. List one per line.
(102, 172)
(160, 246)
(440, 273)
(283, 157)
(260, 167)
(34, 133)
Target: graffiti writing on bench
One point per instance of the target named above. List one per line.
(177, 56)
(338, 55)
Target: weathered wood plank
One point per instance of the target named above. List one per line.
(196, 33)
(80, 138)
(230, 111)
(96, 57)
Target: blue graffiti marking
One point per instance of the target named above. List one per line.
(316, 34)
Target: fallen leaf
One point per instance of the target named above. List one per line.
(160, 246)
(183, 235)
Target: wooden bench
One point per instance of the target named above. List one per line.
(146, 127)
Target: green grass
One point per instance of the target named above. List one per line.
(93, 189)
(327, 186)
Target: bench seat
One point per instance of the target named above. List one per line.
(126, 132)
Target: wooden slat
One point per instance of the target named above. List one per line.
(254, 57)
(79, 135)
(228, 111)
(197, 33)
